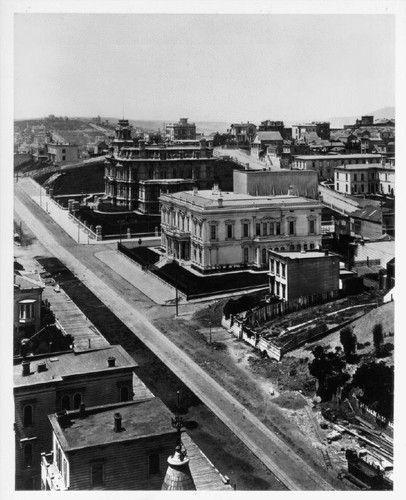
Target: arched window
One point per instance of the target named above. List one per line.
(305, 246)
(298, 248)
(27, 415)
(77, 399)
(276, 249)
(124, 394)
(65, 403)
(282, 249)
(311, 246)
(291, 248)
(28, 455)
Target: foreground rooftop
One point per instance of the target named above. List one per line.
(58, 367)
(138, 420)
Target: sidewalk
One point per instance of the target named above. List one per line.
(158, 291)
(61, 216)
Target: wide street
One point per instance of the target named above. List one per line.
(129, 304)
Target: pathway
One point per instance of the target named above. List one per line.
(293, 471)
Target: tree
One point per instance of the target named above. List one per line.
(377, 333)
(376, 380)
(328, 369)
(348, 340)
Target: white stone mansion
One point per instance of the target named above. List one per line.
(213, 230)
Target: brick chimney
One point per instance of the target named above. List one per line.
(26, 368)
(111, 360)
(117, 422)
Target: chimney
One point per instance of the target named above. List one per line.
(117, 422)
(41, 367)
(63, 418)
(82, 410)
(195, 190)
(26, 368)
(111, 361)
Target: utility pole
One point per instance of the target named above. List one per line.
(176, 299)
(210, 333)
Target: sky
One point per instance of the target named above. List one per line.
(207, 67)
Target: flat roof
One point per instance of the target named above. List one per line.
(139, 420)
(359, 166)
(210, 199)
(336, 157)
(304, 255)
(72, 363)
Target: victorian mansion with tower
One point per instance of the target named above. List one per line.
(136, 174)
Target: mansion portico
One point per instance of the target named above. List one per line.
(213, 230)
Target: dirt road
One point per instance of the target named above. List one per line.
(294, 472)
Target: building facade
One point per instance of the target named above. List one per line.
(264, 139)
(49, 383)
(213, 230)
(300, 274)
(276, 182)
(136, 175)
(27, 306)
(300, 129)
(243, 133)
(365, 179)
(181, 131)
(61, 153)
(325, 164)
(121, 447)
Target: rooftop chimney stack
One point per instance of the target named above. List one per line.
(42, 367)
(117, 422)
(111, 361)
(26, 368)
(82, 410)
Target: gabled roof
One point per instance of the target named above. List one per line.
(269, 136)
(372, 214)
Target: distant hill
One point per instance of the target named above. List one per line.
(340, 121)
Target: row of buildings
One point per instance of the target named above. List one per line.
(84, 420)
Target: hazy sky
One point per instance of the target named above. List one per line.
(205, 67)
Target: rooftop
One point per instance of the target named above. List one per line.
(139, 420)
(61, 366)
(304, 255)
(337, 157)
(269, 136)
(210, 199)
(365, 166)
(26, 283)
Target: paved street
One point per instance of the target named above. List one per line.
(108, 287)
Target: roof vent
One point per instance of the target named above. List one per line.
(111, 361)
(42, 367)
(26, 368)
(117, 422)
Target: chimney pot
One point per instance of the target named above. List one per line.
(26, 368)
(82, 410)
(111, 361)
(117, 422)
